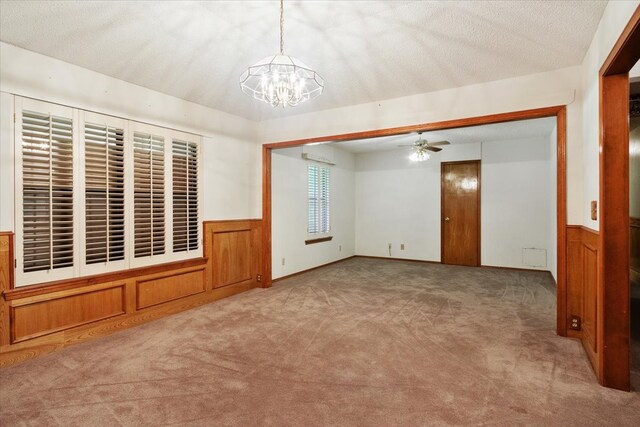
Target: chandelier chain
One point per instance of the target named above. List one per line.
(281, 27)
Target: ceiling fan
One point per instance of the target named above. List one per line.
(422, 145)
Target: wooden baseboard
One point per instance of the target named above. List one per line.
(39, 319)
(397, 259)
(438, 262)
(30, 349)
(310, 269)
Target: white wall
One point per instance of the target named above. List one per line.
(615, 17)
(398, 201)
(289, 210)
(552, 236)
(231, 158)
(516, 201)
(634, 167)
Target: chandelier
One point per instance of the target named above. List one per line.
(281, 80)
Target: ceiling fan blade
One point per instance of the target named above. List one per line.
(435, 144)
(434, 149)
(406, 145)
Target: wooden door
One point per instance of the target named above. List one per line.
(460, 222)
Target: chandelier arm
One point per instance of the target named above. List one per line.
(281, 27)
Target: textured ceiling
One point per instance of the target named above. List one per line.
(365, 50)
(534, 128)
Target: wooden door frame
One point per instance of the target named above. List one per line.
(558, 111)
(613, 317)
(479, 162)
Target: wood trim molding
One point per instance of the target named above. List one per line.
(318, 240)
(298, 273)
(30, 349)
(266, 218)
(624, 54)
(61, 285)
(561, 222)
(613, 327)
(447, 124)
(397, 259)
(634, 222)
(42, 318)
(6, 283)
(558, 111)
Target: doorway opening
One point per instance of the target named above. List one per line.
(613, 290)
(404, 193)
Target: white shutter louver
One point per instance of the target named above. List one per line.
(185, 196)
(104, 193)
(149, 198)
(319, 220)
(47, 191)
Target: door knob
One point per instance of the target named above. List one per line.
(446, 218)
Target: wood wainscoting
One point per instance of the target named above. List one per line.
(582, 288)
(634, 261)
(41, 318)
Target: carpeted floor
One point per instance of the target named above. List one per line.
(362, 342)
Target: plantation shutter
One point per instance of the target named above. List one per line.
(104, 193)
(323, 192)
(185, 196)
(149, 196)
(47, 191)
(318, 180)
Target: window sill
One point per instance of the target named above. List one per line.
(318, 240)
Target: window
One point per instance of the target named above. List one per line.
(149, 198)
(318, 201)
(98, 193)
(185, 196)
(104, 193)
(47, 191)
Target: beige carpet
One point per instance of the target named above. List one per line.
(362, 342)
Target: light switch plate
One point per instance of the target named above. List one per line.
(594, 210)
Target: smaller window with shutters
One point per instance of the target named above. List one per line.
(318, 208)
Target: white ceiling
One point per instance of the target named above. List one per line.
(534, 128)
(365, 50)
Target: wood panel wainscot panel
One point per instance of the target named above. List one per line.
(6, 283)
(234, 248)
(590, 307)
(36, 316)
(168, 287)
(582, 287)
(46, 317)
(232, 257)
(574, 279)
(634, 236)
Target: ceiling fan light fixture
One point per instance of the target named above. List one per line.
(419, 156)
(281, 80)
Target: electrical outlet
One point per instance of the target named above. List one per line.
(576, 323)
(282, 261)
(259, 278)
(402, 246)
